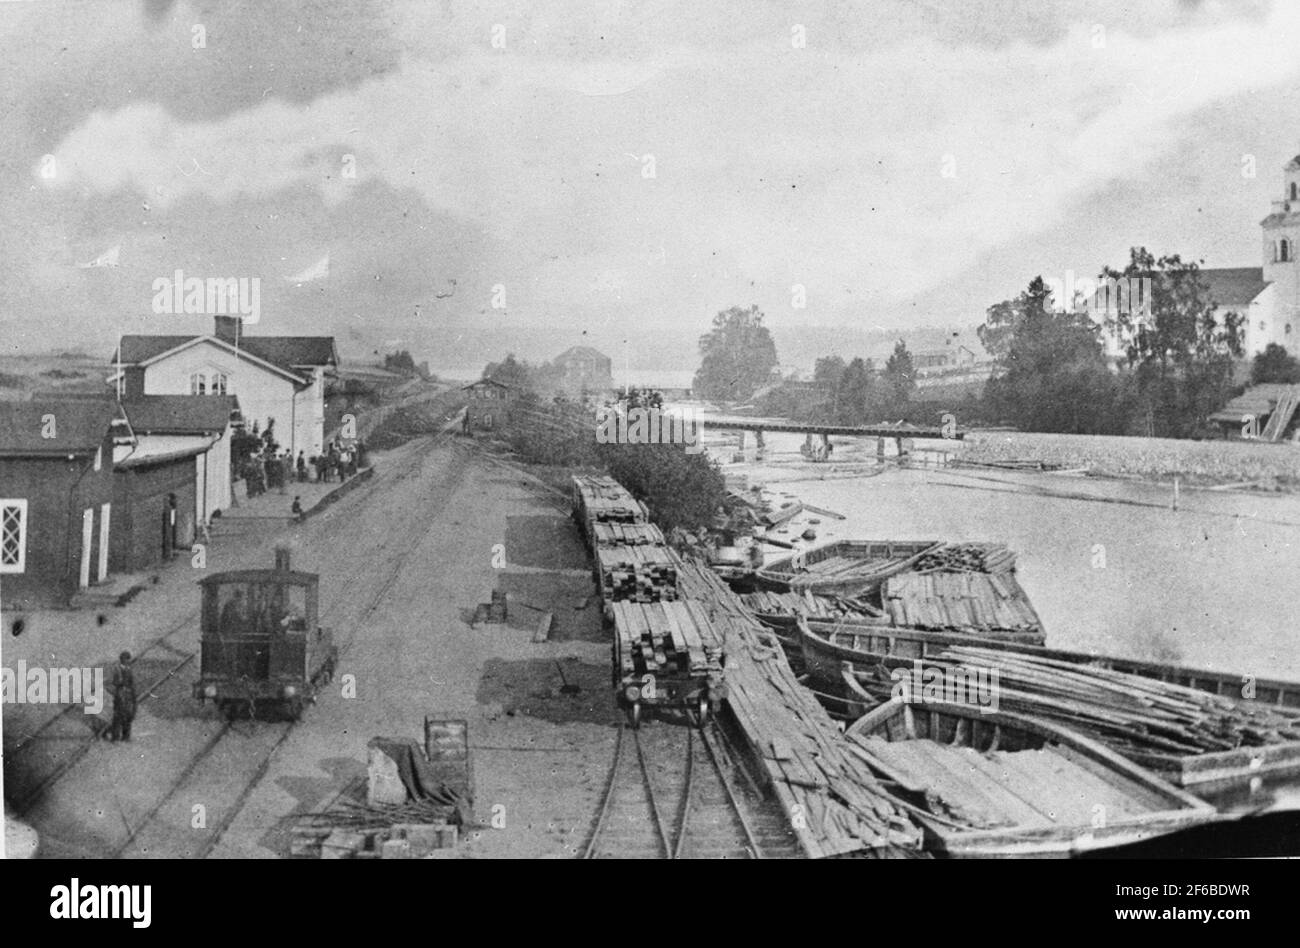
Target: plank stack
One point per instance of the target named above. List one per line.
(1128, 711)
(627, 534)
(670, 640)
(600, 499)
(842, 805)
(984, 603)
(636, 574)
(814, 607)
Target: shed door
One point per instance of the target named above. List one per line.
(87, 537)
(105, 514)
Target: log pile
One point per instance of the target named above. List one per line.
(984, 603)
(842, 807)
(667, 639)
(636, 574)
(627, 534)
(973, 557)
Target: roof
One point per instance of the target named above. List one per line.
(158, 449)
(79, 426)
(1234, 286)
(180, 414)
(1258, 400)
(581, 352)
(287, 352)
(479, 382)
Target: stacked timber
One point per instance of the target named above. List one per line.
(837, 805)
(973, 557)
(600, 499)
(627, 534)
(666, 639)
(636, 573)
(985, 603)
(1132, 713)
(849, 567)
(814, 607)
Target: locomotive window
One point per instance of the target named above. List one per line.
(261, 608)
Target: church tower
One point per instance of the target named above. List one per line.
(1281, 245)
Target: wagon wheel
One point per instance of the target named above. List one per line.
(702, 710)
(634, 715)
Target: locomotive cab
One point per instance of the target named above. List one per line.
(260, 642)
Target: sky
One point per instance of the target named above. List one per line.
(620, 170)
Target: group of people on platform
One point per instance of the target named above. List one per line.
(276, 469)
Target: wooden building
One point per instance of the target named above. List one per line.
(489, 405)
(56, 498)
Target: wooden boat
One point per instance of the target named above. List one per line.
(827, 648)
(865, 644)
(991, 784)
(826, 645)
(844, 567)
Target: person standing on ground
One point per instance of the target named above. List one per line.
(297, 508)
(122, 684)
(302, 467)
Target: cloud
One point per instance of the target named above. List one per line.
(773, 165)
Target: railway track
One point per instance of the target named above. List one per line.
(673, 793)
(210, 762)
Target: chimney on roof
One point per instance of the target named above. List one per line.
(226, 328)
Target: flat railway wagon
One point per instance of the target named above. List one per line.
(603, 500)
(260, 645)
(666, 655)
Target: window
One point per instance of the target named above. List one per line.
(198, 384)
(1295, 190)
(1287, 331)
(1284, 250)
(218, 383)
(13, 536)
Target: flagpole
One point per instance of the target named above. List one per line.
(120, 380)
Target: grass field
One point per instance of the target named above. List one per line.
(1198, 462)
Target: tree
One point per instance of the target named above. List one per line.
(1275, 364)
(400, 361)
(510, 371)
(1052, 370)
(1181, 352)
(737, 356)
(856, 393)
(899, 380)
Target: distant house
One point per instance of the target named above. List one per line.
(951, 356)
(56, 498)
(211, 421)
(489, 405)
(583, 367)
(280, 378)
